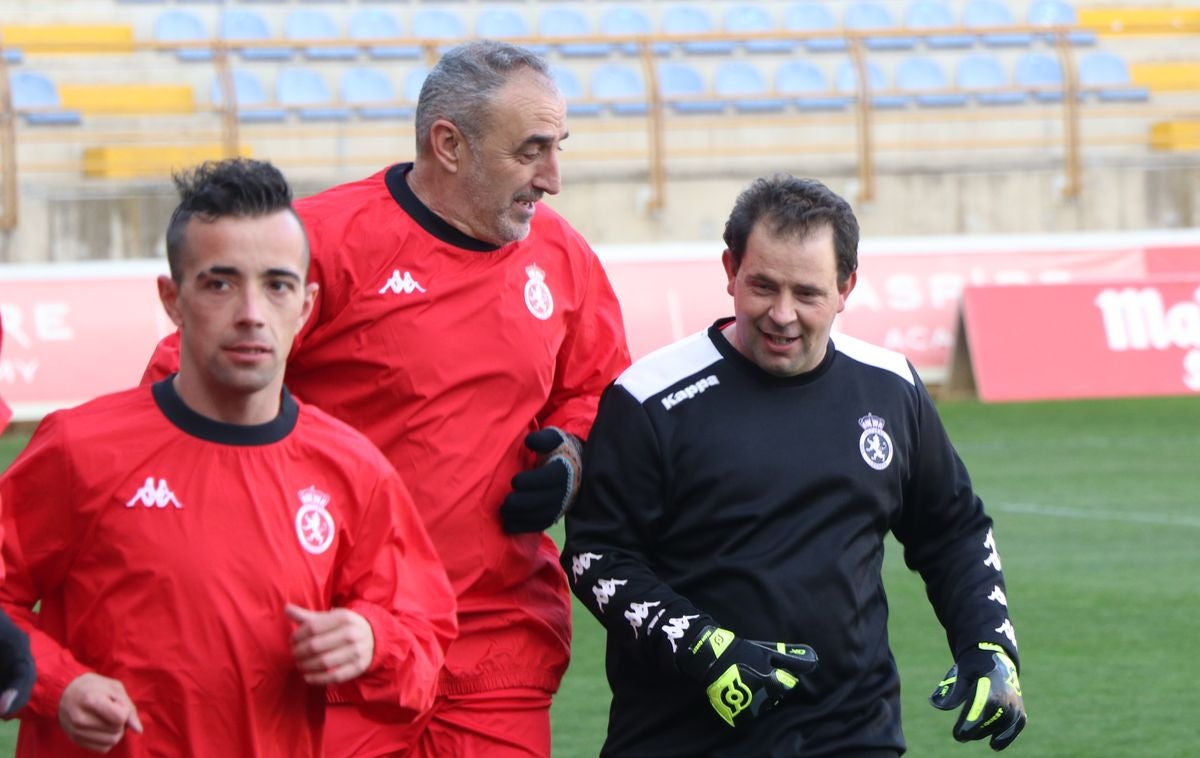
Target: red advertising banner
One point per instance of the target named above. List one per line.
(1125, 337)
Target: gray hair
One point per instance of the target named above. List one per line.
(460, 88)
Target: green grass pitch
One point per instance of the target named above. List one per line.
(1097, 510)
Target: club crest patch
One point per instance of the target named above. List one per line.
(874, 443)
(314, 525)
(538, 299)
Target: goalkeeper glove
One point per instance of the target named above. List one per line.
(543, 494)
(16, 667)
(987, 677)
(743, 678)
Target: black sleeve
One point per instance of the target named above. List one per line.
(610, 537)
(948, 539)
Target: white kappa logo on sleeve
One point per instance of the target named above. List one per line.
(538, 299)
(314, 525)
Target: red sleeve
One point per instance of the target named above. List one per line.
(39, 547)
(164, 361)
(392, 576)
(593, 354)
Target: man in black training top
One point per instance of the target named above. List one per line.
(730, 531)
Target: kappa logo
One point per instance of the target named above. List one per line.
(690, 391)
(314, 525)
(401, 284)
(1007, 630)
(581, 563)
(998, 596)
(675, 628)
(639, 612)
(874, 444)
(604, 590)
(154, 495)
(993, 558)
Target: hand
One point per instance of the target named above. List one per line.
(17, 672)
(330, 647)
(543, 494)
(987, 677)
(743, 678)
(95, 710)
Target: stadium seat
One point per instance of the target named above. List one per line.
(1059, 13)
(690, 19)
(370, 94)
(565, 21)
(683, 89)
(239, 24)
(501, 23)
(923, 78)
(620, 88)
(625, 21)
(807, 86)
(813, 17)
(439, 24)
(36, 99)
(304, 91)
(846, 82)
(871, 16)
(984, 14)
(177, 25)
(983, 77)
(1041, 75)
(249, 98)
(572, 90)
(13, 56)
(413, 82)
(743, 84)
(376, 24)
(744, 18)
(1107, 77)
(310, 24)
(931, 15)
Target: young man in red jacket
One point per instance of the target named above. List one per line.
(212, 555)
(468, 330)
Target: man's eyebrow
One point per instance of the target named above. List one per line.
(545, 139)
(287, 272)
(235, 271)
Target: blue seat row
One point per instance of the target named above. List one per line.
(367, 23)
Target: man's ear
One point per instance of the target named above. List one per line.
(168, 295)
(730, 269)
(310, 298)
(447, 143)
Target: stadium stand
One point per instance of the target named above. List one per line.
(439, 24)
(240, 24)
(933, 15)
(1059, 13)
(501, 23)
(991, 14)
(694, 20)
(35, 98)
(924, 79)
(983, 77)
(175, 25)
(625, 21)
(1041, 75)
(1105, 75)
(743, 19)
(882, 95)
(377, 24)
(807, 87)
(566, 21)
(370, 94)
(311, 24)
(870, 16)
(304, 92)
(684, 90)
(250, 98)
(806, 18)
(572, 89)
(743, 85)
(620, 88)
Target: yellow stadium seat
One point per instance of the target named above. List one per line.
(1140, 20)
(135, 99)
(132, 161)
(1175, 136)
(68, 38)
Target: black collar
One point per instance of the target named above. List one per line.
(190, 422)
(397, 184)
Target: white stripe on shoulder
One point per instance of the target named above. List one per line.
(874, 355)
(665, 366)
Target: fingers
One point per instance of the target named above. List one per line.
(950, 692)
(551, 475)
(544, 440)
(7, 698)
(95, 711)
(1005, 738)
(330, 647)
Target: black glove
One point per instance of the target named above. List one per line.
(543, 494)
(987, 677)
(16, 667)
(743, 678)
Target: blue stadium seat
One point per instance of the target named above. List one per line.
(370, 93)
(683, 89)
(1107, 77)
(871, 16)
(305, 91)
(743, 84)
(807, 86)
(572, 90)
(694, 19)
(924, 79)
(931, 15)
(249, 98)
(1059, 13)
(310, 24)
(376, 24)
(846, 81)
(982, 75)
(625, 21)
(495, 22)
(36, 99)
(438, 23)
(565, 21)
(13, 56)
(413, 81)
(813, 17)
(620, 88)
(239, 24)
(177, 25)
(983, 14)
(745, 18)
(1041, 75)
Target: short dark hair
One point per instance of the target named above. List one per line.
(237, 187)
(462, 85)
(794, 207)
